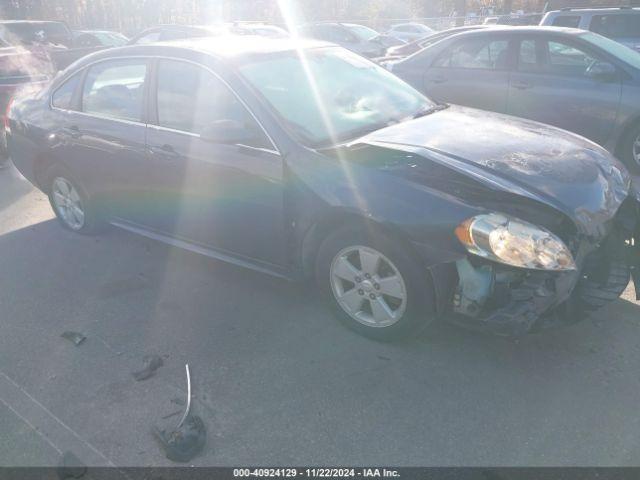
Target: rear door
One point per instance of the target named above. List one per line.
(552, 85)
(473, 71)
(101, 132)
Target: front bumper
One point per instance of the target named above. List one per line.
(510, 301)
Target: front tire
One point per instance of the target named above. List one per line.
(72, 206)
(374, 284)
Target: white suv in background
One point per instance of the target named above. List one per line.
(618, 23)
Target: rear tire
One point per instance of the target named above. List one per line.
(73, 207)
(374, 285)
(630, 149)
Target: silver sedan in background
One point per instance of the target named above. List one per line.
(569, 78)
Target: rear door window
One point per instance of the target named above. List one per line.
(616, 25)
(528, 61)
(571, 21)
(115, 89)
(474, 54)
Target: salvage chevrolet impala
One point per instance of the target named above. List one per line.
(302, 159)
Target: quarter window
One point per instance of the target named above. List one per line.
(474, 54)
(115, 89)
(63, 96)
(192, 99)
(571, 21)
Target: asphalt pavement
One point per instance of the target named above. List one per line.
(277, 381)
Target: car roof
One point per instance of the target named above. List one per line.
(226, 47)
(579, 10)
(2, 22)
(536, 29)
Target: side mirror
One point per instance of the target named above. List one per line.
(602, 71)
(227, 132)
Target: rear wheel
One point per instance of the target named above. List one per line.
(630, 149)
(71, 204)
(374, 285)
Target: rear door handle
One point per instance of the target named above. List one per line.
(73, 131)
(438, 80)
(521, 85)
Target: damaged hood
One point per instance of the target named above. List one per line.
(525, 158)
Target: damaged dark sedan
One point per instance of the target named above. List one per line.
(302, 159)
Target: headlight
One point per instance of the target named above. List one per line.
(514, 242)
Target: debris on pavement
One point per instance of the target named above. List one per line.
(172, 414)
(188, 409)
(151, 364)
(70, 466)
(75, 337)
(188, 438)
(183, 444)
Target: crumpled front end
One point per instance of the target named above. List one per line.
(512, 301)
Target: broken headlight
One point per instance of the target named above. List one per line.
(514, 242)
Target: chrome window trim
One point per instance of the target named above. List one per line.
(160, 127)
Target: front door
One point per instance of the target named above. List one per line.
(552, 84)
(208, 187)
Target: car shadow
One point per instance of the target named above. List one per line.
(159, 282)
(13, 186)
(266, 352)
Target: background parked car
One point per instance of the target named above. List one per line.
(576, 80)
(163, 33)
(357, 38)
(19, 69)
(401, 51)
(621, 24)
(408, 32)
(262, 29)
(99, 38)
(32, 32)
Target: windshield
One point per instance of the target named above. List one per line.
(331, 95)
(362, 32)
(614, 48)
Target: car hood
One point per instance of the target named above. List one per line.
(533, 160)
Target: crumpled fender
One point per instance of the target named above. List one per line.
(635, 250)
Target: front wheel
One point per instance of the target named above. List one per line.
(375, 286)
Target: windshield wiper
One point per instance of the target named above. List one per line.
(428, 111)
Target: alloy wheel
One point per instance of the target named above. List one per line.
(636, 150)
(68, 204)
(368, 286)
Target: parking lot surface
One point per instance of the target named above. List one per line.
(276, 379)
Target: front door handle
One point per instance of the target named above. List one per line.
(167, 151)
(521, 85)
(438, 80)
